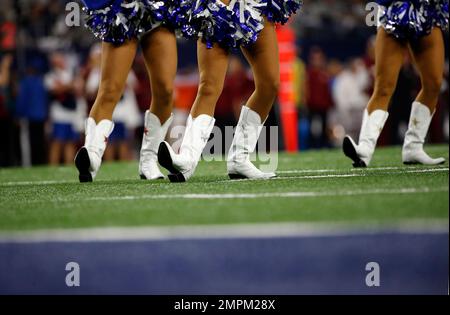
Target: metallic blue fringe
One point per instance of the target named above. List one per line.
(124, 20)
(413, 19)
(279, 11)
(179, 15)
(239, 23)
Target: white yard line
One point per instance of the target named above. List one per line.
(293, 194)
(354, 173)
(369, 169)
(36, 182)
(231, 231)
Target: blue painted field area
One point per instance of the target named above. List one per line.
(409, 263)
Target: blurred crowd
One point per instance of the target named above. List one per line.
(49, 76)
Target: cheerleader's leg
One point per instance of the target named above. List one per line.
(116, 64)
(429, 57)
(159, 48)
(390, 54)
(263, 58)
(213, 64)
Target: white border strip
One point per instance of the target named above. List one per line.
(293, 194)
(233, 231)
(356, 172)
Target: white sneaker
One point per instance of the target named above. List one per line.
(154, 134)
(182, 166)
(89, 157)
(419, 123)
(371, 128)
(245, 138)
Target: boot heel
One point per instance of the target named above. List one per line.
(236, 176)
(83, 164)
(350, 152)
(176, 178)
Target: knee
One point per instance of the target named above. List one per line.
(209, 88)
(162, 93)
(432, 86)
(269, 88)
(109, 94)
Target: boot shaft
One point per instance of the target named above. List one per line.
(154, 133)
(246, 135)
(97, 135)
(196, 136)
(419, 123)
(371, 129)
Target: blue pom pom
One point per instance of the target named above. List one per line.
(279, 11)
(124, 20)
(232, 26)
(413, 19)
(440, 14)
(179, 16)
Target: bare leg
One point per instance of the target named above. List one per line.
(160, 53)
(116, 64)
(263, 57)
(115, 67)
(389, 57)
(212, 65)
(55, 152)
(429, 57)
(110, 152)
(428, 53)
(69, 152)
(124, 151)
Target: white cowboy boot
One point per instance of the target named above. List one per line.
(89, 157)
(371, 128)
(244, 142)
(154, 134)
(182, 166)
(419, 123)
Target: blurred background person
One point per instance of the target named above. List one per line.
(67, 109)
(318, 99)
(32, 112)
(6, 122)
(349, 95)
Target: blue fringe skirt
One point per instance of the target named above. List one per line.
(413, 19)
(240, 22)
(121, 20)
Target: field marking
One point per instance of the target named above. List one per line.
(390, 168)
(293, 194)
(360, 174)
(354, 173)
(37, 182)
(215, 196)
(223, 231)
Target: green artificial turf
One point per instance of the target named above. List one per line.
(51, 197)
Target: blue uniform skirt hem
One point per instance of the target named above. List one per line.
(413, 19)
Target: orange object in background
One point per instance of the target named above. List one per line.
(8, 32)
(286, 96)
(186, 86)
